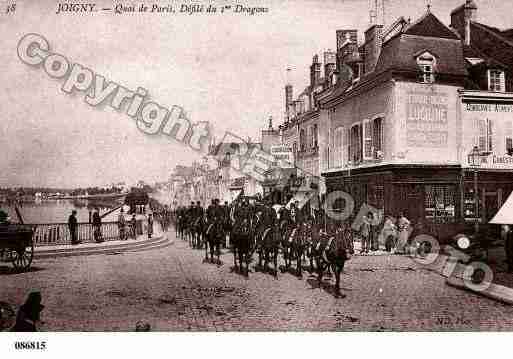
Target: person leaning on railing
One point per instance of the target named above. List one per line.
(97, 226)
(133, 227)
(73, 227)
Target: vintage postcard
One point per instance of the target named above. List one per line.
(255, 166)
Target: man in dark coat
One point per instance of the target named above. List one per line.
(29, 314)
(73, 226)
(97, 226)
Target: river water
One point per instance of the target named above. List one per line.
(58, 211)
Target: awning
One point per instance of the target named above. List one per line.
(505, 213)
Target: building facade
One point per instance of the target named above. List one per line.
(409, 106)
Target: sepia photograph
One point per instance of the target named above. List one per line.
(259, 166)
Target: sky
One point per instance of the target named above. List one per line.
(229, 70)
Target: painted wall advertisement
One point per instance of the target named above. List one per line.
(283, 155)
(427, 119)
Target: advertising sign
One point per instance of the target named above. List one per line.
(426, 122)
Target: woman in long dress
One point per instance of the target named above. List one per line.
(403, 225)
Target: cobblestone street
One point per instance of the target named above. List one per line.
(172, 289)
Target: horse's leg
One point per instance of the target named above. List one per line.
(320, 270)
(235, 257)
(218, 252)
(299, 263)
(246, 255)
(338, 270)
(276, 262)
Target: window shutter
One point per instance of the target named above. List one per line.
(340, 148)
(508, 132)
(503, 81)
(347, 137)
(490, 135)
(481, 135)
(367, 140)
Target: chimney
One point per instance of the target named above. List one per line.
(315, 71)
(372, 46)
(461, 18)
(288, 96)
(330, 65)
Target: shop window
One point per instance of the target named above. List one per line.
(469, 205)
(496, 81)
(440, 203)
(380, 197)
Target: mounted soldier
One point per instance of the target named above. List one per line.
(214, 231)
(241, 238)
(198, 225)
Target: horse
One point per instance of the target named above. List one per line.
(268, 245)
(241, 242)
(334, 250)
(294, 244)
(214, 235)
(314, 245)
(198, 232)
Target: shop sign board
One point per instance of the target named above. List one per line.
(283, 155)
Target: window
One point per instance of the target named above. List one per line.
(427, 76)
(377, 138)
(440, 203)
(485, 135)
(294, 148)
(496, 81)
(426, 63)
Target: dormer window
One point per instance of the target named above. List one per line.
(496, 81)
(427, 64)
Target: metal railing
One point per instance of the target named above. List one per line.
(59, 233)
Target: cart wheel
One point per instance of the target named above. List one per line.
(22, 257)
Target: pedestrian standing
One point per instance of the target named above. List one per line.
(150, 225)
(29, 314)
(389, 233)
(365, 235)
(403, 225)
(73, 227)
(121, 225)
(97, 226)
(133, 229)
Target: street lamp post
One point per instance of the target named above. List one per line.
(474, 159)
